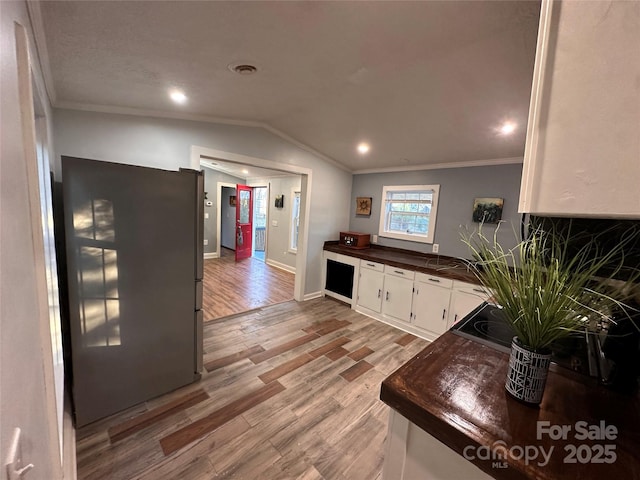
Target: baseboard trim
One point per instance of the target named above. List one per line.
(312, 295)
(281, 266)
(207, 256)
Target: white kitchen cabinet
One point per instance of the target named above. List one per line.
(464, 298)
(371, 285)
(582, 152)
(430, 310)
(398, 293)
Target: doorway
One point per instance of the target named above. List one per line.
(201, 155)
(227, 217)
(260, 201)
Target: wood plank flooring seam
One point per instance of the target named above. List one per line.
(286, 367)
(284, 347)
(405, 340)
(360, 353)
(135, 424)
(351, 373)
(184, 436)
(233, 358)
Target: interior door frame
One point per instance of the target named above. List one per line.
(197, 153)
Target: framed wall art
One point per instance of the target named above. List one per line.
(487, 209)
(363, 205)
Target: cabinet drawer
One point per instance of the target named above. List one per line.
(378, 267)
(399, 272)
(472, 289)
(434, 280)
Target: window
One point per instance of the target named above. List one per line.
(408, 212)
(295, 221)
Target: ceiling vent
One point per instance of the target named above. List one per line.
(243, 68)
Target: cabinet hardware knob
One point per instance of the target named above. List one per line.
(370, 265)
(379, 293)
(444, 313)
(387, 297)
(399, 272)
(434, 280)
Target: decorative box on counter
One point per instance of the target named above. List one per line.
(355, 240)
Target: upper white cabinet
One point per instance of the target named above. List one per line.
(582, 154)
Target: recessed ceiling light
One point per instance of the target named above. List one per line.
(243, 68)
(245, 171)
(363, 148)
(178, 96)
(507, 128)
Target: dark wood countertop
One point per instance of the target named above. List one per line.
(440, 265)
(454, 390)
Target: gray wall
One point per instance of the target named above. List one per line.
(458, 188)
(227, 219)
(26, 395)
(211, 179)
(278, 236)
(166, 143)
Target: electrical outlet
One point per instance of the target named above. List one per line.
(374, 238)
(206, 242)
(435, 248)
(206, 215)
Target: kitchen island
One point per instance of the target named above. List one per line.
(452, 418)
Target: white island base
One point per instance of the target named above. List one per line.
(413, 454)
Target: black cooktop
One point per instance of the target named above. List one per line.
(487, 325)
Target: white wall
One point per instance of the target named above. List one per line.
(26, 384)
(166, 143)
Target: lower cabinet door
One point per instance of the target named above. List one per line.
(398, 293)
(463, 301)
(430, 307)
(370, 287)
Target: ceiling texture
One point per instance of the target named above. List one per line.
(425, 83)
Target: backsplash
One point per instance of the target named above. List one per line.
(607, 234)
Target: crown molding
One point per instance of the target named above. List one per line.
(141, 112)
(440, 166)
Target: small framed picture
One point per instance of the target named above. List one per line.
(279, 201)
(363, 205)
(232, 200)
(487, 210)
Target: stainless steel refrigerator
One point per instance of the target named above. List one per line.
(134, 239)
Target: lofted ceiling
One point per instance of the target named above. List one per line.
(423, 82)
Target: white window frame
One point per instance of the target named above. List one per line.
(412, 237)
(294, 192)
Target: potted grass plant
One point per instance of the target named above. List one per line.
(548, 292)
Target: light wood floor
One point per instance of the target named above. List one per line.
(291, 392)
(232, 287)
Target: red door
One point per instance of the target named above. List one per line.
(244, 216)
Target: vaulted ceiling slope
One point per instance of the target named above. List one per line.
(423, 82)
